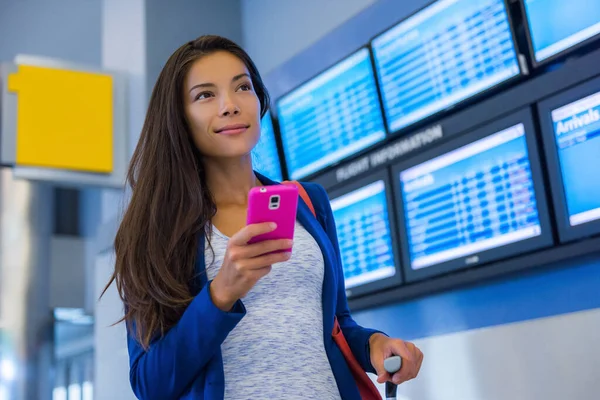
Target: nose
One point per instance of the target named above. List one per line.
(228, 107)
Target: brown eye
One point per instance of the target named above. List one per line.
(245, 87)
(203, 95)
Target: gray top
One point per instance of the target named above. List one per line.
(277, 351)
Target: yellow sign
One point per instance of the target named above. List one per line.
(64, 118)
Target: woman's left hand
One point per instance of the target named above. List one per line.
(383, 347)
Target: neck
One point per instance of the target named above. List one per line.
(230, 180)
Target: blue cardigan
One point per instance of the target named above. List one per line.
(186, 363)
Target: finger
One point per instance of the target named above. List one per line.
(401, 348)
(382, 378)
(259, 273)
(377, 363)
(409, 369)
(406, 372)
(420, 358)
(264, 261)
(248, 232)
(268, 246)
(417, 355)
(395, 347)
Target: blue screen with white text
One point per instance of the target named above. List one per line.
(364, 235)
(444, 54)
(266, 160)
(331, 117)
(577, 134)
(472, 199)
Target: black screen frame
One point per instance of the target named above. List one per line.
(397, 278)
(566, 232)
(557, 56)
(458, 105)
(545, 239)
(275, 114)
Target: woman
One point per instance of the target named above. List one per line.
(209, 316)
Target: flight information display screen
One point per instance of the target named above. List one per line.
(266, 160)
(333, 116)
(364, 234)
(444, 54)
(558, 25)
(475, 198)
(577, 133)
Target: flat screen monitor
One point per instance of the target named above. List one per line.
(443, 55)
(332, 116)
(558, 26)
(366, 234)
(474, 200)
(571, 132)
(266, 157)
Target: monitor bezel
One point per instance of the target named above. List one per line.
(458, 105)
(276, 111)
(566, 232)
(555, 57)
(397, 278)
(545, 239)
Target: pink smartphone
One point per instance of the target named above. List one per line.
(275, 203)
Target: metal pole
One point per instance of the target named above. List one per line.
(25, 318)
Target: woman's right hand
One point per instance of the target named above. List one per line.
(244, 264)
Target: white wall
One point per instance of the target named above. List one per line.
(111, 363)
(167, 27)
(512, 361)
(276, 30)
(65, 29)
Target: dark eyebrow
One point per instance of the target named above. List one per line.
(202, 85)
(240, 76)
(235, 78)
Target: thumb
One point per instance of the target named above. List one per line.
(377, 363)
(382, 374)
(383, 377)
(377, 358)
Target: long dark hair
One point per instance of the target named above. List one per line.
(156, 244)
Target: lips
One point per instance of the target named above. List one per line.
(232, 129)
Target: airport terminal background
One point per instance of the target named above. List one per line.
(458, 140)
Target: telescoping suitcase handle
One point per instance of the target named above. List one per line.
(391, 365)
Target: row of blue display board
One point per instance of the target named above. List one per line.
(444, 55)
(475, 199)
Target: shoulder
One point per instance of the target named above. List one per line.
(316, 191)
(320, 199)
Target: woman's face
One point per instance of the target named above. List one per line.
(221, 107)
